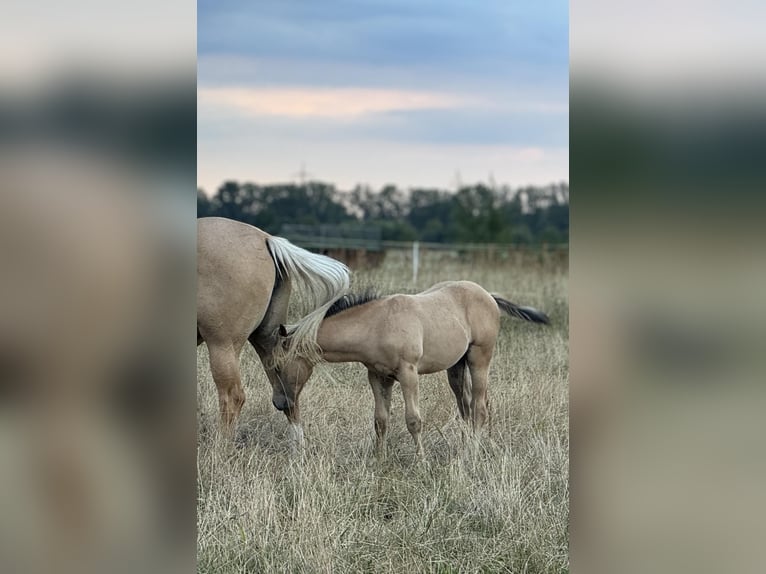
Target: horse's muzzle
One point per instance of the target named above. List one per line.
(282, 404)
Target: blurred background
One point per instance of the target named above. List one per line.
(668, 272)
(97, 157)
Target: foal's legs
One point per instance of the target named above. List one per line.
(408, 379)
(456, 375)
(381, 390)
(224, 365)
(478, 363)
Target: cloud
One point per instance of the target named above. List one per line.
(475, 37)
(355, 115)
(321, 102)
(383, 90)
(378, 163)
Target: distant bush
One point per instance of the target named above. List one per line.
(477, 213)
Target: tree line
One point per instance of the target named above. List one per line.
(475, 213)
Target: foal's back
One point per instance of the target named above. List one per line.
(459, 303)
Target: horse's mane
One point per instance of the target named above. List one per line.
(350, 300)
(302, 336)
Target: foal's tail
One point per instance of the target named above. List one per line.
(526, 313)
(324, 279)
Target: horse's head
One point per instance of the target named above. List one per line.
(287, 384)
(287, 381)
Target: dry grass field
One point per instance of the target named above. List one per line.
(502, 506)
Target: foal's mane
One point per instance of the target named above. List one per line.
(301, 338)
(350, 300)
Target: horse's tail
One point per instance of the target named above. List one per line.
(526, 313)
(324, 280)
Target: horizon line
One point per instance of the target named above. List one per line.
(462, 185)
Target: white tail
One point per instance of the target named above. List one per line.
(324, 279)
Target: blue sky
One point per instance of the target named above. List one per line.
(375, 92)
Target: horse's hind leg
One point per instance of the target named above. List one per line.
(479, 358)
(381, 390)
(224, 364)
(456, 375)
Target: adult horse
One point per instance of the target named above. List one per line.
(452, 326)
(244, 278)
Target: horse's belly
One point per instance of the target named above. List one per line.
(440, 353)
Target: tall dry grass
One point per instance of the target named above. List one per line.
(499, 506)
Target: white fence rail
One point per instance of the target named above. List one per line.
(497, 252)
(313, 242)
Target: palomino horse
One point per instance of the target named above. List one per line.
(452, 326)
(244, 276)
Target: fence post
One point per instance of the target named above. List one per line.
(415, 261)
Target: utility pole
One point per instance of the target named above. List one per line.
(458, 181)
(303, 175)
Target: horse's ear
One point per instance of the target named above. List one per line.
(282, 331)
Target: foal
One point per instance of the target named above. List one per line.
(451, 326)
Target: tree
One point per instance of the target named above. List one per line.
(204, 205)
(475, 213)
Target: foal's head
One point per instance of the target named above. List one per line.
(287, 380)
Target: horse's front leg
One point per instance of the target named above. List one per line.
(381, 391)
(224, 366)
(408, 379)
(294, 430)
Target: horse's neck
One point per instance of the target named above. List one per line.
(339, 337)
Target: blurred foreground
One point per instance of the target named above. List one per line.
(668, 323)
(97, 156)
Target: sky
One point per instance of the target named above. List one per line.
(426, 93)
